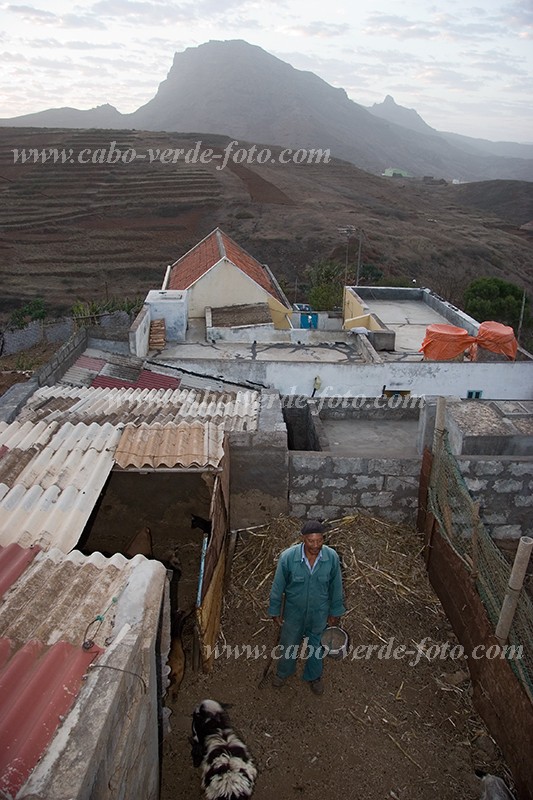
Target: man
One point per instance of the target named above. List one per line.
(309, 577)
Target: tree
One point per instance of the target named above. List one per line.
(326, 280)
(496, 299)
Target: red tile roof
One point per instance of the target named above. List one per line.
(38, 686)
(190, 267)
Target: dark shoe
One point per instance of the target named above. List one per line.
(317, 687)
(278, 682)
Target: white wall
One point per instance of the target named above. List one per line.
(224, 285)
(505, 381)
(267, 334)
(139, 333)
(170, 305)
(325, 322)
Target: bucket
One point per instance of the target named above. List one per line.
(335, 641)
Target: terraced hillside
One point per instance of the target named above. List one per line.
(90, 230)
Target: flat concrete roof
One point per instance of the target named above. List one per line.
(335, 352)
(323, 347)
(408, 319)
(372, 438)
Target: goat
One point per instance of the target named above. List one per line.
(141, 544)
(493, 788)
(200, 522)
(228, 772)
(176, 656)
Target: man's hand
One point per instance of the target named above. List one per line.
(278, 621)
(332, 621)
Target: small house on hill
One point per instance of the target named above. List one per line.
(217, 272)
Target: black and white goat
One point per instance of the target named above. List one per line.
(228, 772)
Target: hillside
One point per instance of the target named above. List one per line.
(236, 89)
(87, 231)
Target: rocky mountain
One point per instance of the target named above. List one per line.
(390, 111)
(240, 90)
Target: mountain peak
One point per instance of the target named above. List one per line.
(390, 111)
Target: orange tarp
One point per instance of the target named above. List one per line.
(445, 342)
(497, 338)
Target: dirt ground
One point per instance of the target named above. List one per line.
(163, 502)
(383, 728)
(19, 367)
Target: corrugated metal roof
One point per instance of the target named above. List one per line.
(234, 411)
(56, 604)
(50, 478)
(171, 445)
(115, 372)
(13, 561)
(38, 686)
(56, 456)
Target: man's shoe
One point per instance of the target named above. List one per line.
(277, 682)
(317, 687)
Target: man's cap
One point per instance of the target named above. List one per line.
(312, 526)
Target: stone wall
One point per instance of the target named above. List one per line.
(20, 339)
(326, 486)
(504, 489)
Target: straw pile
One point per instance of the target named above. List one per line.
(381, 558)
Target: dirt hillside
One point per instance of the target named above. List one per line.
(95, 230)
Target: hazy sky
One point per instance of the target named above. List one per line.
(467, 69)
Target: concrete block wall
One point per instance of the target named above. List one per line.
(326, 486)
(15, 341)
(504, 489)
(20, 339)
(259, 467)
(62, 359)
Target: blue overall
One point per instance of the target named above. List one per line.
(310, 598)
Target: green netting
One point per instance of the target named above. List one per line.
(457, 514)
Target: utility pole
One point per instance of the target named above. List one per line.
(361, 234)
(347, 230)
(521, 317)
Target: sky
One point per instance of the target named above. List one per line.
(465, 68)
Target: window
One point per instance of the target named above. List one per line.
(474, 394)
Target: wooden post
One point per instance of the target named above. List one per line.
(514, 587)
(475, 543)
(232, 542)
(440, 423)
